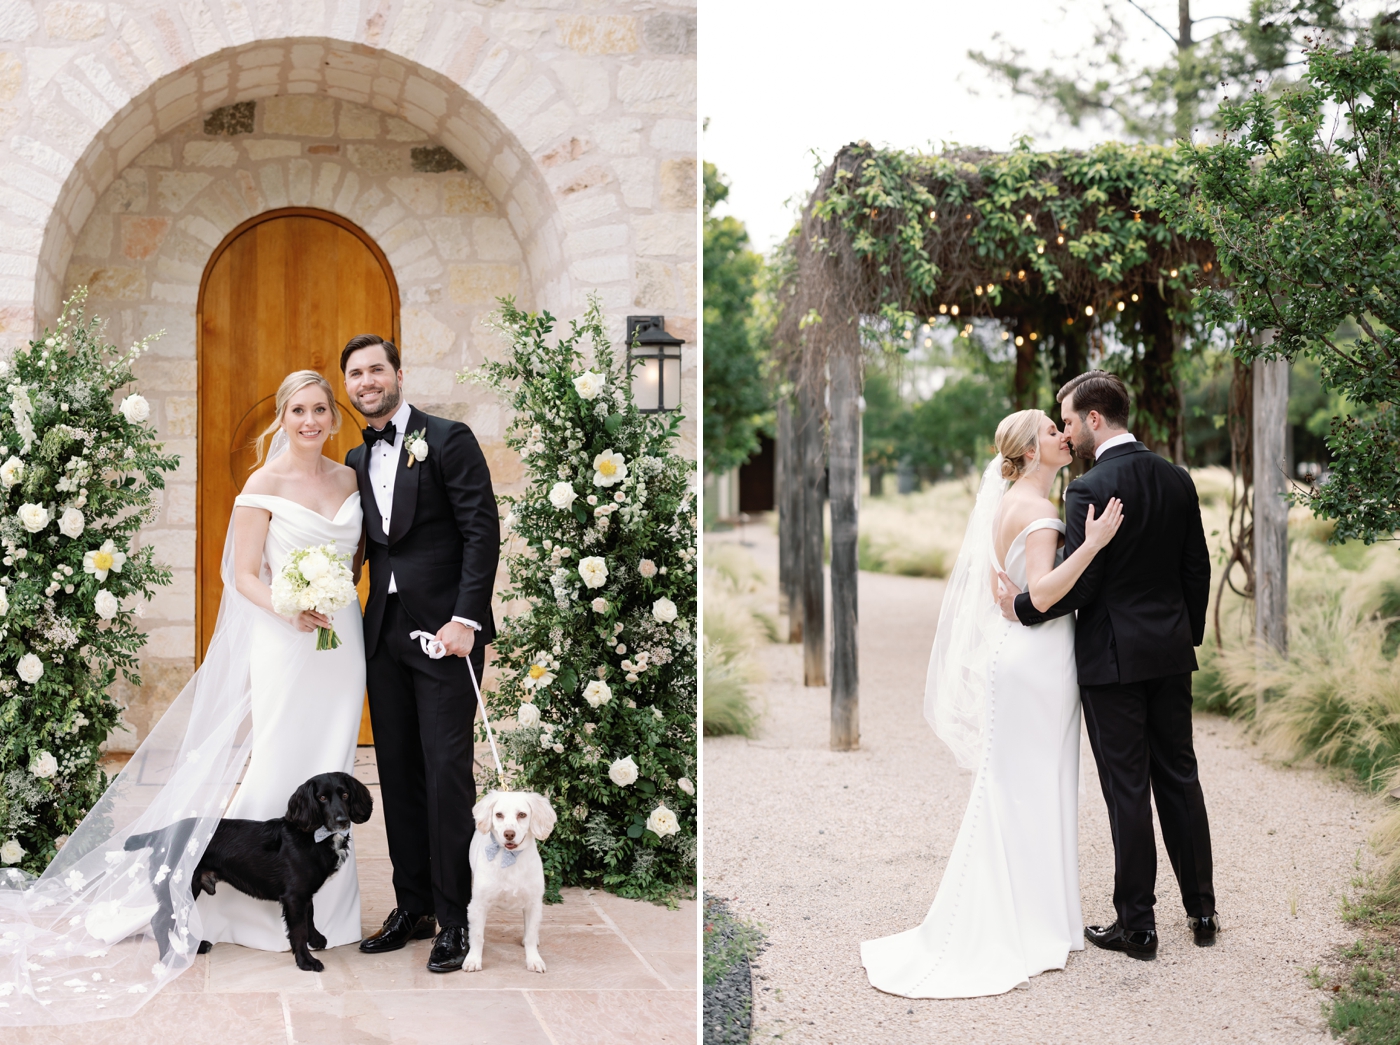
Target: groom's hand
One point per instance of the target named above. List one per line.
(456, 638)
(1006, 596)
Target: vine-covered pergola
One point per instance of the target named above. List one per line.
(1068, 251)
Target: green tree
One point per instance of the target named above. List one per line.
(1302, 198)
(737, 396)
(1165, 100)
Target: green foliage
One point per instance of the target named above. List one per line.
(732, 627)
(77, 484)
(1305, 222)
(727, 940)
(1168, 99)
(606, 662)
(737, 397)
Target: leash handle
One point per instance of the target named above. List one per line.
(435, 650)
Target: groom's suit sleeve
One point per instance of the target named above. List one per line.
(1078, 497)
(467, 481)
(1195, 569)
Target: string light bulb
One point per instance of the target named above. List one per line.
(1135, 297)
(1088, 310)
(1121, 306)
(1021, 274)
(1020, 341)
(977, 290)
(1040, 248)
(954, 310)
(1034, 335)
(1005, 336)
(942, 310)
(1060, 240)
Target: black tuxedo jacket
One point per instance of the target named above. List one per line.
(444, 538)
(1142, 601)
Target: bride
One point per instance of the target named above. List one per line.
(1005, 698)
(76, 944)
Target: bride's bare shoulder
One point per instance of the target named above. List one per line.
(261, 481)
(343, 476)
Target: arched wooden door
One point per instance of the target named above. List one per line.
(284, 291)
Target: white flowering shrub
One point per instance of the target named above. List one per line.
(80, 463)
(599, 672)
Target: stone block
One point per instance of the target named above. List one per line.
(261, 56)
(161, 682)
(636, 175)
(585, 84)
(209, 154)
(433, 159)
(176, 292)
(449, 236)
(622, 137)
(258, 79)
(356, 121)
(482, 284)
(129, 194)
(598, 34)
(397, 130)
(661, 235)
(466, 194)
(142, 236)
(661, 86)
(158, 155)
(113, 282)
(674, 136)
(95, 241)
(429, 268)
(611, 268)
(503, 463)
(376, 159)
(306, 115)
(669, 33)
(494, 240)
(655, 286)
(171, 642)
(231, 119)
(180, 499)
(175, 189)
(260, 149)
(678, 184)
(159, 374)
(426, 339)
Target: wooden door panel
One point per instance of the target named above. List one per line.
(283, 292)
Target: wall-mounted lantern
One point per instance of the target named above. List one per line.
(654, 359)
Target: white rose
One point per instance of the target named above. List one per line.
(106, 604)
(662, 822)
(135, 409)
(647, 568)
(11, 853)
(600, 605)
(4, 602)
(34, 517)
(313, 566)
(30, 668)
(11, 472)
(71, 523)
(419, 449)
(528, 716)
(608, 468)
(562, 496)
(597, 693)
(593, 570)
(663, 610)
(44, 766)
(685, 785)
(588, 385)
(623, 772)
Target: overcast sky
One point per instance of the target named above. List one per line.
(780, 78)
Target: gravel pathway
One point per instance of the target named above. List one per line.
(825, 850)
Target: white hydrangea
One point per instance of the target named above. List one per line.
(135, 409)
(662, 822)
(594, 571)
(106, 604)
(44, 765)
(597, 693)
(562, 496)
(30, 668)
(71, 523)
(623, 772)
(34, 517)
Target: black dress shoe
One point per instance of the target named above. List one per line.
(1140, 944)
(398, 929)
(1204, 929)
(449, 950)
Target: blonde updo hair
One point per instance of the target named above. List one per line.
(1018, 442)
(290, 386)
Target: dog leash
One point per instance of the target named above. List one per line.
(435, 650)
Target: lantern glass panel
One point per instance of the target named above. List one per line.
(646, 380)
(671, 386)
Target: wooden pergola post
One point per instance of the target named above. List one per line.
(1271, 503)
(844, 467)
(809, 439)
(789, 520)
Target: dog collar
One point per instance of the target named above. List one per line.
(493, 847)
(323, 833)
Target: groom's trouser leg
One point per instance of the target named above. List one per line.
(1176, 787)
(1116, 719)
(422, 711)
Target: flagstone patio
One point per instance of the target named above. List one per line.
(620, 971)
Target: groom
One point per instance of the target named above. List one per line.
(432, 543)
(1142, 610)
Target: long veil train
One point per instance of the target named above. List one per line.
(76, 943)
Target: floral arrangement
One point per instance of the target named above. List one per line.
(318, 579)
(599, 669)
(80, 464)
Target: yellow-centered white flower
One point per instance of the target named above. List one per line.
(105, 558)
(609, 467)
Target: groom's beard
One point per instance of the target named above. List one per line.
(1084, 450)
(389, 402)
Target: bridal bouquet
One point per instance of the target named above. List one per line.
(315, 578)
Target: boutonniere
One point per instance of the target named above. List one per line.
(417, 446)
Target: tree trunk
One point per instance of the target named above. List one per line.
(789, 519)
(813, 595)
(845, 501)
(1157, 419)
(1023, 391)
(1068, 361)
(1270, 504)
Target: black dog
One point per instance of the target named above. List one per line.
(276, 860)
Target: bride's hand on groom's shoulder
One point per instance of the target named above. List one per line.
(1098, 532)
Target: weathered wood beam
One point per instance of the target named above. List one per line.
(1271, 503)
(813, 450)
(844, 464)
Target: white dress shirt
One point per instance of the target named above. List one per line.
(1117, 440)
(383, 470)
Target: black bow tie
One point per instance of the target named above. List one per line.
(387, 433)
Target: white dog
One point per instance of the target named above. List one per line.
(506, 866)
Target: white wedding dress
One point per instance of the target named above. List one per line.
(306, 706)
(1008, 905)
